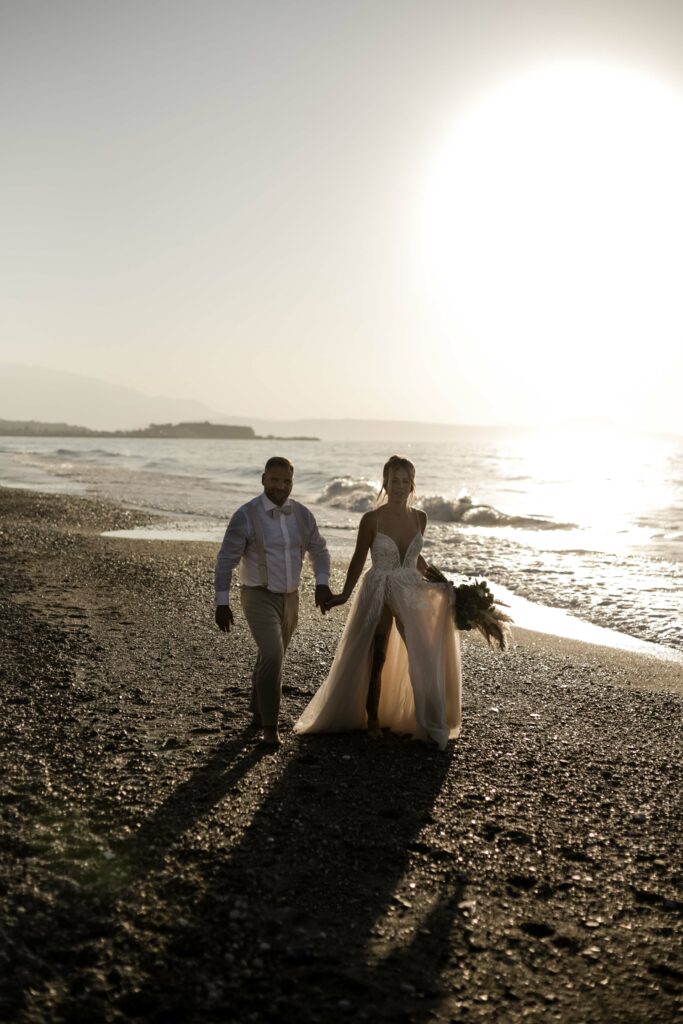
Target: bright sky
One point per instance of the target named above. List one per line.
(468, 212)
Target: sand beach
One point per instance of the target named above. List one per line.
(159, 865)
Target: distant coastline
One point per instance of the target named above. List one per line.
(184, 431)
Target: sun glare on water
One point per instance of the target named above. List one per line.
(553, 228)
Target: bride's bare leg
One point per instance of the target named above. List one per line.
(379, 653)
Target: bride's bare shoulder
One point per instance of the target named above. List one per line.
(368, 523)
(369, 519)
(366, 534)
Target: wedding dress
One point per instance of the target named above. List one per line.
(421, 685)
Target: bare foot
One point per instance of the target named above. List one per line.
(374, 731)
(271, 737)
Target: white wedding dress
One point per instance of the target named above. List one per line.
(420, 679)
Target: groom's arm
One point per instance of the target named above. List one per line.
(320, 559)
(322, 596)
(232, 549)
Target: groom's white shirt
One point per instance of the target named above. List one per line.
(282, 544)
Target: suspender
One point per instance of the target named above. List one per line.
(259, 542)
(303, 528)
(260, 545)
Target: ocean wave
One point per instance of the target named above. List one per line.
(351, 493)
(359, 495)
(89, 453)
(159, 465)
(673, 537)
(464, 510)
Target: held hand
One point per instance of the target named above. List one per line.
(224, 617)
(322, 596)
(334, 601)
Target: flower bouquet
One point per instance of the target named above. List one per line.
(474, 607)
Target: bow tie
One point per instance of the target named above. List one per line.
(286, 510)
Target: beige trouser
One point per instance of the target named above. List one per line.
(272, 620)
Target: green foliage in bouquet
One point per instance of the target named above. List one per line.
(474, 607)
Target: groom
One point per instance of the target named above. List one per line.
(269, 536)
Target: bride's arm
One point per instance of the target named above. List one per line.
(421, 563)
(366, 534)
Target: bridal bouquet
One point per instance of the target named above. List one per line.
(474, 607)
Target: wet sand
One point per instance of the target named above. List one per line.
(158, 865)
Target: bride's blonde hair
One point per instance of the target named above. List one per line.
(397, 462)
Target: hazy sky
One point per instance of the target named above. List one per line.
(461, 211)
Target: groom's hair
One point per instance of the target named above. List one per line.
(278, 460)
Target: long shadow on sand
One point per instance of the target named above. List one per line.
(308, 914)
(52, 948)
(312, 914)
(189, 804)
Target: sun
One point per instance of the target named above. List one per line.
(551, 221)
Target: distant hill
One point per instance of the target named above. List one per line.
(33, 392)
(56, 396)
(35, 428)
(192, 431)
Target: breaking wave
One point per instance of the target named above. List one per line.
(464, 510)
(359, 495)
(350, 493)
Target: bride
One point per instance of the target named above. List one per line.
(398, 662)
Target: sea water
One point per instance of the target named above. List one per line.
(589, 522)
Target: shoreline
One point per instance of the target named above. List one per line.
(164, 867)
(620, 584)
(633, 669)
(577, 634)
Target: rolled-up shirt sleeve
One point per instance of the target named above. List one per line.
(232, 549)
(318, 553)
